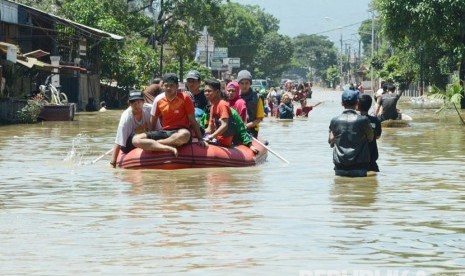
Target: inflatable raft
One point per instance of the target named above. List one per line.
(404, 121)
(193, 156)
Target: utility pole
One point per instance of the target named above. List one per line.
(206, 46)
(348, 62)
(421, 71)
(342, 77)
(372, 49)
(162, 38)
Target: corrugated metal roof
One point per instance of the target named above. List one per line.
(63, 20)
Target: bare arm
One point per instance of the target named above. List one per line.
(331, 138)
(195, 126)
(223, 127)
(378, 108)
(153, 122)
(317, 104)
(254, 123)
(114, 156)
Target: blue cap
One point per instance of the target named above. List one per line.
(349, 96)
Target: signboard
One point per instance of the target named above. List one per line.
(216, 64)
(82, 47)
(233, 62)
(204, 45)
(220, 53)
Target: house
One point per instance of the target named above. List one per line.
(48, 44)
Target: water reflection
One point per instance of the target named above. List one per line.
(347, 192)
(203, 182)
(272, 219)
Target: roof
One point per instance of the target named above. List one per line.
(82, 27)
(37, 54)
(30, 59)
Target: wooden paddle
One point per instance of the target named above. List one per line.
(101, 156)
(270, 150)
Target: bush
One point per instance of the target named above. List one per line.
(31, 111)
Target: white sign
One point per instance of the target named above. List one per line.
(12, 53)
(216, 64)
(220, 52)
(233, 62)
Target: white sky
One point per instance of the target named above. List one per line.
(322, 17)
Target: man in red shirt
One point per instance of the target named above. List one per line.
(176, 111)
(220, 115)
(304, 109)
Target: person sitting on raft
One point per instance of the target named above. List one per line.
(135, 119)
(387, 105)
(176, 111)
(220, 115)
(225, 125)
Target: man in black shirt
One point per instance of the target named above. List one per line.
(193, 86)
(349, 134)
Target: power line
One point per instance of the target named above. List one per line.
(338, 28)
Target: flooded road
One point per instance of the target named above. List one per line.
(61, 215)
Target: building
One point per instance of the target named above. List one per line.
(48, 44)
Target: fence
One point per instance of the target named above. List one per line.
(9, 109)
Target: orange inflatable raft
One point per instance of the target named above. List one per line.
(193, 156)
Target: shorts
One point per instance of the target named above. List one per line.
(163, 134)
(129, 146)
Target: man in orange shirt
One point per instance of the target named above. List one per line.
(176, 111)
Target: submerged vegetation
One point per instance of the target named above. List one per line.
(451, 96)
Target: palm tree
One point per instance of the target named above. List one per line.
(452, 96)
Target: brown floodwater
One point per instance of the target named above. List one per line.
(61, 215)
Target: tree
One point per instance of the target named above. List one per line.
(332, 76)
(273, 56)
(315, 51)
(136, 63)
(241, 32)
(118, 60)
(51, 6)
(436, 26)
(395, 71)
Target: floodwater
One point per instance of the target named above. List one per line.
(59, 215)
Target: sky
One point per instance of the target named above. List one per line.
(323, 17)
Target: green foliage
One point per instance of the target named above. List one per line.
(51, 6)
(332, 75)
(364, 31)
(437, 26)
(315, 51)
(451, 96)
(180, 22)
(136, 63)
(273, 56)
(396, 71)
(241, 32)
(377, 62)
(173, 66)
(30, 112)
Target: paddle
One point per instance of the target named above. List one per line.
(270, 150)
(101, 156)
